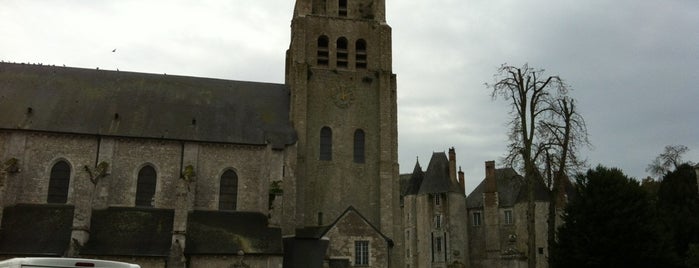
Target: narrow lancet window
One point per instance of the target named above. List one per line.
(228, 191)
(361, 59)
(342, 8)
(145, 187)
(326, 144)
(59, 182)
(323, 56)
(342, 52)
(359, 146)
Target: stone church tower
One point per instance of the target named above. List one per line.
(343, 107)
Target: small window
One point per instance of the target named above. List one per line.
(438, 244)
(359, 146)
(145, 187)
(59, 182)
(438, 221)
(437, 200)
(360, 57)
(326, 144)
(323, 56)
(361, 253)
(342, 52)
(541, 251)
(342, 8)
(228, 191)
(508, 217)
(476, 219)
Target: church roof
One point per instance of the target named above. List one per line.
(511, 189)
(436, 178)
(140, 105)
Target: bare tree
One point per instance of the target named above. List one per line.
(671, 158)
(545, 133)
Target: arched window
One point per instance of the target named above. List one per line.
(228, 191)
(323, 56)
(145, 187)
(342, 8)
(359, 146)
(361, 54)
(342, 52)
(326, 144)
(59, 181)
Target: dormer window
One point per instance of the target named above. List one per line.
(342, 53)
(361, 60)
(342, 8)
(323, 55)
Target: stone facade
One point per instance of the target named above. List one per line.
(104, 140)
(434, 213)
(497, 221)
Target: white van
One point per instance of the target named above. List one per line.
(63, 263)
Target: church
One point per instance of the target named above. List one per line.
(176, 171)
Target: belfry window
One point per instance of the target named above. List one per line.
(326, 144)
(228, 191)
(145, 187)
(342, 52)
(359, 146)
(360, 56)
(59, 182)
(342, 8)
(323, 56)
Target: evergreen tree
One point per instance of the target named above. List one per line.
(678, 206)
(610, 223)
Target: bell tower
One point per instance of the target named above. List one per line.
(343, 94)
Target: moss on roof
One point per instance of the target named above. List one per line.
(29, 229)
(227, 232)
(126, 231)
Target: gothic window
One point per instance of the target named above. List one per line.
(326, 144)
(59, 181)
(323, 55)
(361, 253)
(145, 187)
(360, 54)
(342, 8)
(359, 146)
(342, 52)
(438, 221)
(228, 191)
(476, 218)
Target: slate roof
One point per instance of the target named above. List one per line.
(317, 232)
(437, 178)
(511, 189)
(127, 104)
(414, 182)
(36, 230)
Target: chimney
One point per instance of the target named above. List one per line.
(452, 164)
(490, 183)
(462, 182)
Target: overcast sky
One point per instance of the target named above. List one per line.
(633, 65)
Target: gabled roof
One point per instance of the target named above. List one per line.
(511, 189)
(127, 104)
(318, 232)
(437, 179)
